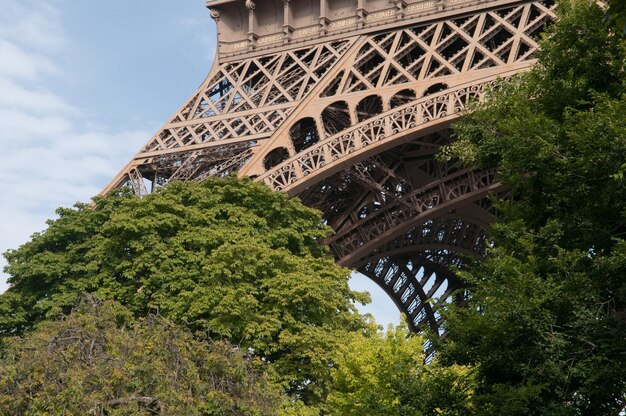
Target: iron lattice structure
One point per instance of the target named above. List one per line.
(344, 103)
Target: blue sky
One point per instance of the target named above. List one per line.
(83, 85)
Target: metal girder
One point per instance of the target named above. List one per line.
(417, 283)
(367, 138)
(451, 233)
(435, 199)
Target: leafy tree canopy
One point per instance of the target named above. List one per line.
(227, 257)
(385, 374)
(87, 365)
(617, 13)
(547, 319)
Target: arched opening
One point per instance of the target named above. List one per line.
(435, 88)
(275, 157)
(304, 134)
(369, 107)
(336, 118)
(402, 98)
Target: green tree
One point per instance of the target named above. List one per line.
(86, 364)
(617, 13)
(547, 317)
(385, 374)
(227, 257)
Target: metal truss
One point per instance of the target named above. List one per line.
(425, 64)
(451, 233)
(367, 137)
(417, 283)
(395, 219)
(468, 43)
(345, 105)
(435, 246)
(240, 103)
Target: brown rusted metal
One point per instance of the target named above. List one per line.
(344, 103)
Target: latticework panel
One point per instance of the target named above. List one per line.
(425, 63)
(248, 98)
(364, 138)
(240, 103)
(484, 40)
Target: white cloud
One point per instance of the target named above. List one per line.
(18, 63)
(51, 153)
(20, 127)
(32, 24)
(30, 101)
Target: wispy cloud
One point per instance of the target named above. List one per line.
(19, 63)
(51, 152)
(32, 24)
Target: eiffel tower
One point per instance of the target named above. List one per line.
(344, 104)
